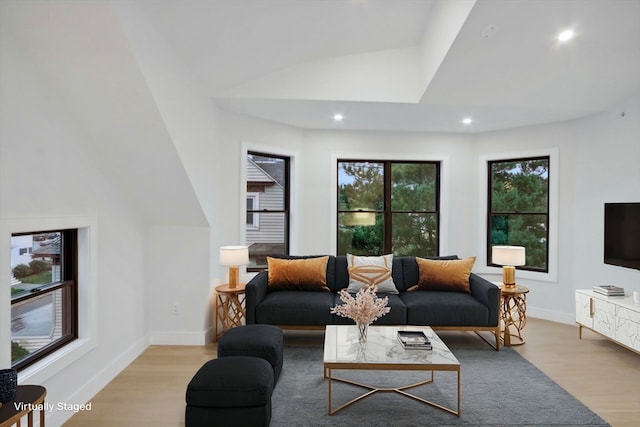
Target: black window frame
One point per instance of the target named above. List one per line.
(491, 213)
(286, 211)
(387, 210)
(68, 284)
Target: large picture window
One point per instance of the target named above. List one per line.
(43, 294)
(518, 208)
(267, 209)
(388, 207)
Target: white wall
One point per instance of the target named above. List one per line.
(83, 144)
(49, 174)
(598, 162)
(318, 180)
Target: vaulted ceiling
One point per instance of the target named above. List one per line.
(414, 65)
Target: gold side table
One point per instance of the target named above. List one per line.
(514, 313)
(31, 397)
(229, 308)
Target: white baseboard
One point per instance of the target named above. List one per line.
(96, 383)
(180, 337)
(554, 316)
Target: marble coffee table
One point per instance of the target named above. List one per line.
(383, 352)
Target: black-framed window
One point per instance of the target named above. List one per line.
(518, 208)
(388, 207)
(44, 302)
(267, 209)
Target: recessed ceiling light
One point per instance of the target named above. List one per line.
(467, 121)
(565, 36)
(338, 117)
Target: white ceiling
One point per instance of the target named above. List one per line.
(416, 65)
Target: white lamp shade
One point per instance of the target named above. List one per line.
(234, 255)
(508, 255)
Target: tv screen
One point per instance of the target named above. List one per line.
(622, 234)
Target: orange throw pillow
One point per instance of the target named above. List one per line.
(308, 274)
(444, 275)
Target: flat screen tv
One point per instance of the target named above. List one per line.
(622, 234)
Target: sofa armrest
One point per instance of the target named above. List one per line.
(255, 292)
(488, 294)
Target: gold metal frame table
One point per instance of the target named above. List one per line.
(229, 308)
(383, 352)
(28, 398)
(514, 313)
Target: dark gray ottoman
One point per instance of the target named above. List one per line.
(264, 341)
(230, 392)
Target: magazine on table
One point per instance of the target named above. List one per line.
(609, 290)
(414, 340)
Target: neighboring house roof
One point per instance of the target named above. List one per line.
(263, 172)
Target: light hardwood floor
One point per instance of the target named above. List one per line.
(601, 374)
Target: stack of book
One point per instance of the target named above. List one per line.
(414, 340)
(609, 290)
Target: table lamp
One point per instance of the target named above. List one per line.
(234, 256)
(508, 257)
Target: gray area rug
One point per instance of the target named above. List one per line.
(498, 389)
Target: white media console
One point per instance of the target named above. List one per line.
(617, 318)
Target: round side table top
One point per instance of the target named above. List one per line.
(33, 394)
(517, 290)
(226, 289)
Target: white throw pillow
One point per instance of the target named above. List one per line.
(370, 271)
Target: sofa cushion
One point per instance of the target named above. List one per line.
(308, 274)
(441, 308)
(295, 308)
(444, 275)
(367, 271)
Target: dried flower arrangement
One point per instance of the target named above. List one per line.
(364, 308)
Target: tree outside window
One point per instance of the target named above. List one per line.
(388, 207)
(519, 208)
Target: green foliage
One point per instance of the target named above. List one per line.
(38, 266)
(17, 351)
(21, 271)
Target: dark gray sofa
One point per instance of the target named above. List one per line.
(292, 309)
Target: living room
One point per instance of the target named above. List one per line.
(107, 128)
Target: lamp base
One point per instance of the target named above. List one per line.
(233, 277)
(509, 276)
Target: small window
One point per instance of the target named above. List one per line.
(518, 208)
(43, 294)
(267, 212)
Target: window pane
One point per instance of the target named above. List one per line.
(413, 187)
(520, 186)
(414, 235)
(267, 176)
(360, 233)
(36, 323)
(268, 240)
(529, 231)
(360, 186)
(35, 261)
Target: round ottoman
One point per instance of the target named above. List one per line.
(230, 392)
(263, 341)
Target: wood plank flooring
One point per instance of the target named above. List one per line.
(601, 374)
